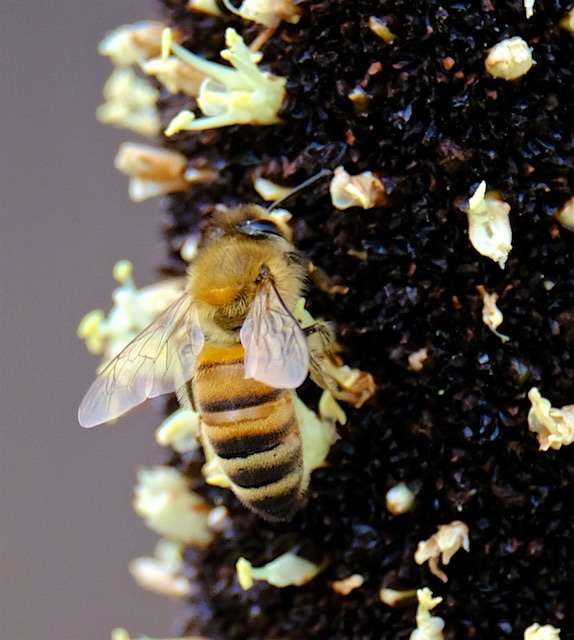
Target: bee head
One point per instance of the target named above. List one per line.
(246, 220)
(229, 270)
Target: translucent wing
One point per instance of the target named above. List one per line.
(276, 351)
(159, 360)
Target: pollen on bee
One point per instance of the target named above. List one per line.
(242, 95)
(317, 435)
(330, 409)
(211, 471)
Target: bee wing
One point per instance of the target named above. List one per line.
(276, 350)
(159, 360)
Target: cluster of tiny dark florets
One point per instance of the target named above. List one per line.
(456, 432)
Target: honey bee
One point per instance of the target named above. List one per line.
(231, 348)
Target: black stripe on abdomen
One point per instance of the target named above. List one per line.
(247, 445)
(205, 366)
(280, 507)
(245, 402)
(255, 477)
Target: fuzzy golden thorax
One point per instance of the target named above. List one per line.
(224, 278)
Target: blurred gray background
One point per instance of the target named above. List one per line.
(67, 528)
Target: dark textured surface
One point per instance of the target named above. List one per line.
(455, 432)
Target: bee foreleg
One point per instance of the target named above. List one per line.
(328, 371)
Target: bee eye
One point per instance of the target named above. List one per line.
(261, 228)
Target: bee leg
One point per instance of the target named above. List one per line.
(328, 371)
(185, 396)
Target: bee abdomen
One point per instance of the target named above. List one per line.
(265, 470)
(253, 430)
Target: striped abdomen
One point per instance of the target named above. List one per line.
(254, 432)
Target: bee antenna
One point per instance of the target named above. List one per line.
(231, 8)
(303, 185)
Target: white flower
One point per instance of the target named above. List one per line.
(286, 570)
(428, 627)
(363, 190)
(122, 634)
(417, 359)
(242, 95)
(174, 74)
(536, 632)
(180, 431)
(267, 12)
(152, 171)
(567, 21)
(268, 190)
(380, 28)
(565, 215)
(162, 573)
(491, 314)
(204, 6)
(392, 597)
(131, 43)
(169, 507)
(317, 435)
(444, 543)
(130, 103)
(346, 585)
(509, 59)
(553, 427)
(489, 228)
(399, 499)
(133, 310)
